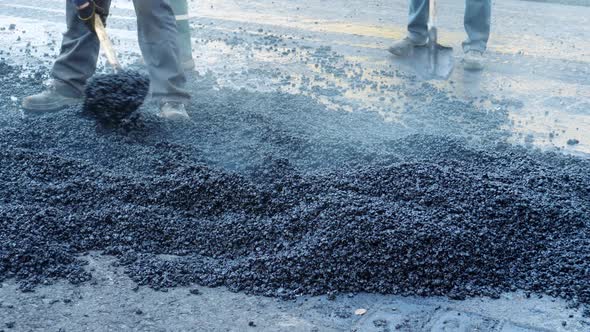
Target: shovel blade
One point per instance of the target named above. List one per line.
(441, 62)
(429, 63)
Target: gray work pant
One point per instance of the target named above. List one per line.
(156, 28)
(477, 22)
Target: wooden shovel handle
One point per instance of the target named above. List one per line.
(106, 44)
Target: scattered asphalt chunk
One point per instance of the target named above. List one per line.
(343, 314)
(573, 141)
(380, 323)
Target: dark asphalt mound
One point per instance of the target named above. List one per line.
(426, 215)
(112, 98)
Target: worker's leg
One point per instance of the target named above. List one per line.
(79, 53)
(477, 22)
(180, 9)
(418, 21)
(74, 65)
(417, 29)
(158, 41)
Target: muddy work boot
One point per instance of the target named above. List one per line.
(473, 60)
(404, 47)
(173, 111)
(48, 100)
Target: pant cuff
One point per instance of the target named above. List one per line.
(66, 89)
(467, 46)
(417, 38)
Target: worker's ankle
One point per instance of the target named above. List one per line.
(417, 39)
(64, 89)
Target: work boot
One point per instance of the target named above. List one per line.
(404, 47)
(48, 100)
(473, 60)
(173, 111)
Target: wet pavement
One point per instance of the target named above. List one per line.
(338, 56)
(538, 73)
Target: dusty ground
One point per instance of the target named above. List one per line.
(336, 57)
(113, 303)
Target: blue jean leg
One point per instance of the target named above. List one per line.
(477, 21)
(418, 21)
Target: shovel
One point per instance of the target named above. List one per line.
(440, 58)
(106, 44)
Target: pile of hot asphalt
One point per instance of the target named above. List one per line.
(272, 194)
(111, 98)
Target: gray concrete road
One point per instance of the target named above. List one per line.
(333, 51)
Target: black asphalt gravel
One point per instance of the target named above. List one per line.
(272, 194)
(112, 98)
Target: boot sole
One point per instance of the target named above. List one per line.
(49, 107)
(467, 65)
(175, 116)
(404, 52)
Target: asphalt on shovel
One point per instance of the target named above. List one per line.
(113, 97)
(440, 58)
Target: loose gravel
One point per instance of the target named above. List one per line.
(272, 194)
(112, 98)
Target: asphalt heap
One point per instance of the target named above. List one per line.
(113, 98)
(293, 199)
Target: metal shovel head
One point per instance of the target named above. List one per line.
(441, 61)
(429, 63)
(440, 58)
